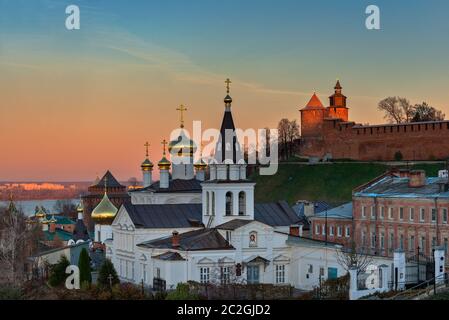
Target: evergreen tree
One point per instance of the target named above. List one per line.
(84, 266)
(57, 272)
(107, 269)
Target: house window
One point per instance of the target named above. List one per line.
(382, 240)
(363, 239)
(204, 274)
(158, 273)
(225, 275)
(373, 215)
(390, 213)
(331, 231)
(411, 244)
(401, 213)
(401, 242)
(253, 239)
(323, 230)
(280, 273)
(242, 203)
(363, 211)
(423, 243)
(207, 203)
(373, 240)
(347, 233)
(422, 215)
(391, 242)
(144, 273)
(317, 229)
(444, 215)
(321, 271)
(339, 231)
(412, 214)
(229, 202)
(213, 203)
(434, 214)
(382, 212)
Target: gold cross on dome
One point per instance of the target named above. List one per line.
(181, 109)
(228, 82)
(164, 143)
(146, 145)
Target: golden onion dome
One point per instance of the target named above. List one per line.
(53, 220)
(200, 165)
(40, 213)
(164, 164)
(45, 221)
(147, 165)
(182, 146)
(80, 207)
(105, 211)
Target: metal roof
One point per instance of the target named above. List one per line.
(111, 181)
(176, 185)
(275, 214)
(203, 239)
(341, 212)
(398, 187)
(169, 256)
(165, 215)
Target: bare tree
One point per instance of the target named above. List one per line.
(351, 257)
(15, 238)
(396, 109)
(293, 135)
(283, 130)
(65, 207)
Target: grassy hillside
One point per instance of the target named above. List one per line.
(328, 182)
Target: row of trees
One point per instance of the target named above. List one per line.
(288, 134)
(399, 110)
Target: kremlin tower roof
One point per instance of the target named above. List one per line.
(314, 103)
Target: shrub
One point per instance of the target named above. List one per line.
(10, 293)
(84, 266)
(57, 272)
(182, 292)
(107, 268)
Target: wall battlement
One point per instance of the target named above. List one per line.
(339, 138)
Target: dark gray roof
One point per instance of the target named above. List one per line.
(165, 215)
(319, 206)
(233, 224)
(169, 256)
(176, 185)
(275, 214)
(111, 181)
(203, 239)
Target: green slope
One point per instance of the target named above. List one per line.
(328, 182)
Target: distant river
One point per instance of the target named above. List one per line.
(28, 205)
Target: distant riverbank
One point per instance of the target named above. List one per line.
(28, 206)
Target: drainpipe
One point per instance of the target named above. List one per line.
(437, 212)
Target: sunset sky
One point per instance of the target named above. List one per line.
(76, 103)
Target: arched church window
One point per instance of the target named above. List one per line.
(242, 203)
(207, 203)
(229, 201)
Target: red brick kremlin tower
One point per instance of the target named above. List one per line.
(117, 194)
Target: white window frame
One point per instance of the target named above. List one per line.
(390, 213)
(411, 214)
(347, 232)
(422, 214)
(339, 231)
(280, 273)
(204, 274)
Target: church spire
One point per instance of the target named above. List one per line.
(181, 110)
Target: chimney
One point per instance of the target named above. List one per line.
(175, 239)
(309, 209)
(417, 178)
(296, 230)
(52, 227)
